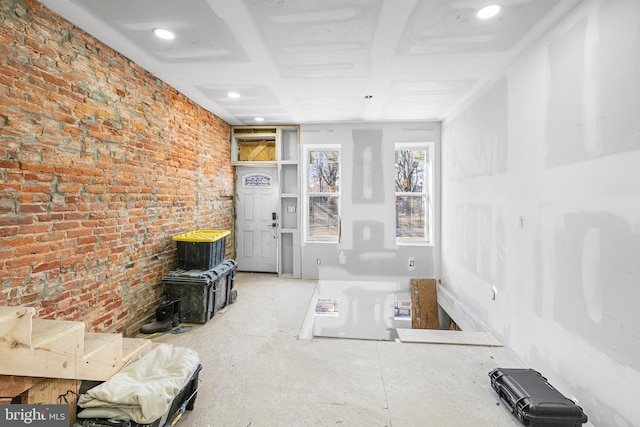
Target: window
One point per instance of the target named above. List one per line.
(414, 198)
(322, 167)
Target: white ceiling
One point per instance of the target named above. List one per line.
(314, 61)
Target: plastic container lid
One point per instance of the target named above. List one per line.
(202, 236)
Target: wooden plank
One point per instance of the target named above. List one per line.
(448, 337)
(15, 329)
(424, 304)
(33, 347)
(53, 350)
(256, 151)
(263, 150)
(96, 343)
(46, 331)
(13, 385)
(102, 356)
(11, 312)
(52, 391)
(55, 392)
(241, 137)
(135, 347)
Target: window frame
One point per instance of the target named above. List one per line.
(307, 149)
(427, 193)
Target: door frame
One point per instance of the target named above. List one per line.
(272, 170)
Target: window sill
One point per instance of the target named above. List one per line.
(321, 241)
(413, 242)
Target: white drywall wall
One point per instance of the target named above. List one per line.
(359, 269)
(368, 250)
(540, 200)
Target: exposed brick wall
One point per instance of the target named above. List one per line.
(100, 165)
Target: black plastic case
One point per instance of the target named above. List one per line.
(202, 293)
(535, 402)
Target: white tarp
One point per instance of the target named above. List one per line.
(143, 390)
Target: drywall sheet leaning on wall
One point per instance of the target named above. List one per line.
(424, 336)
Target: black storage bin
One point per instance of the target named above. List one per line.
(201, 249)
(226, 271)
(202, 293)
(535, 402)
(186, 397)
(196, 290)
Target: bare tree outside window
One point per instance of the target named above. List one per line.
(324, 194)
(412, 195)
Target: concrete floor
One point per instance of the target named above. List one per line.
(256, 372)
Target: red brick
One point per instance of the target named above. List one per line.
(66, 225)
(37, 167)
(50, 218)
(80, 232)
(61, 207)
(55, 80)
(27, 198)
(102, 193)
(34, 229)
(33, 249)
(72, 260)
(6, 220)
(16, 263)
(61, 245)
(54, 265)
(31, 208)
(9, 164)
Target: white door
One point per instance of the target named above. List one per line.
(256, 222)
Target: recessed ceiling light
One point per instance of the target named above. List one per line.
(489, 11)
(164, 34)
(259, 119)
(233, 95)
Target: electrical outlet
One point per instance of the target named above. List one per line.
(291, 209)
